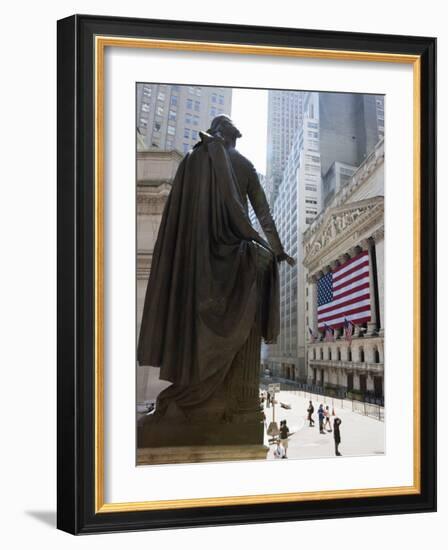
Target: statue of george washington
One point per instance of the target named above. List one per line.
(212, 296)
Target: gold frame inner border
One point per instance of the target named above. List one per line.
(101, 43)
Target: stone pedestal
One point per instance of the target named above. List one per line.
(231, 416)
(200, 453)
(201, 429)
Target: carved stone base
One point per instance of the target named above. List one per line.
(205, 453)
(154, 432)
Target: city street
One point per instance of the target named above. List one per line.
(360, 435)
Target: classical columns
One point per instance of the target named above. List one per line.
(378, 237)
(312, 301)
(372, 325)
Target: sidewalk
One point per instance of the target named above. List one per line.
(360, 435)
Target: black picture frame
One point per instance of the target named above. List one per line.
(76, 510)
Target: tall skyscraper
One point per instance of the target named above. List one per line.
(170, 117)
(297, 204)
(350, 126)
(285, 113)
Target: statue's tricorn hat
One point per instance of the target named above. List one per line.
(223, 125)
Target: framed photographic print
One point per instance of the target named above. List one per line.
(246, 274)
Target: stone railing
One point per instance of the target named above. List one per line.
(348, 365)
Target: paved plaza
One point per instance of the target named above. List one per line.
(360, 435)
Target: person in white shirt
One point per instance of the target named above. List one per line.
(327, 419)
(279, 451)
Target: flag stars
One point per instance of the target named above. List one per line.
(325, 289)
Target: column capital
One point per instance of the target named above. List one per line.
(378, 235)
(354, 251)
(367, 243)
(343, 258)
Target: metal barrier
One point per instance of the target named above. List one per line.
(316, 393)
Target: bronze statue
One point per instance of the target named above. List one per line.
(213, 293)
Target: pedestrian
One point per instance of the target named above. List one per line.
(284, 432)
(279, 451)
(327, 418)
(268, 399)
(310, 411)
(321, 415)
(337, 435)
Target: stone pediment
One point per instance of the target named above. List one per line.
(338, 223)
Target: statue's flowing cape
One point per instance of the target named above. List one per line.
(202, 292)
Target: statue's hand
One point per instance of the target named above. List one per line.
(284, 257)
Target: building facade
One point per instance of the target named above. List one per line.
(170, 117)
(352, 223)
(155, 173)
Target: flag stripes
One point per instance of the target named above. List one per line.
(344, 294)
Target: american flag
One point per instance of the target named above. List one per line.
(344, 293)
(329, 334)
(348, 330)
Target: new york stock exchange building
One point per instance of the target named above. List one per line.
(344, 288)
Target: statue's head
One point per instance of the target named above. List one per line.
(223, 126)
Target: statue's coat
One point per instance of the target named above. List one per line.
(202, 294)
